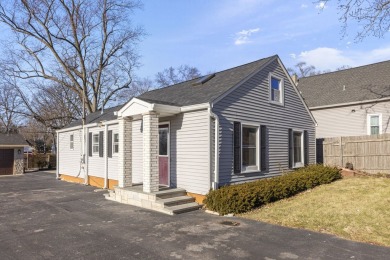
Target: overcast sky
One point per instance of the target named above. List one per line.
(216, 35)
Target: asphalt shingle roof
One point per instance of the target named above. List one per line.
(367, 82)
(12, 139)
(186, 93)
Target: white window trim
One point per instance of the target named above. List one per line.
(94, 143)
(243, 170)
(113, 144)
(71, 142)
(271, 75)
(301, 164)
(369, 123)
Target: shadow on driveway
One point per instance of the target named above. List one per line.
(43, 218)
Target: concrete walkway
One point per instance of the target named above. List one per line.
(43, 218)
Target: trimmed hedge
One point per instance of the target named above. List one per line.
(241, 198)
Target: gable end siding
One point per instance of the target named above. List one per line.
(250, 103)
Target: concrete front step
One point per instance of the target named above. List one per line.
(182, 208)
(173, 201)
(169, 193)
(168, 201)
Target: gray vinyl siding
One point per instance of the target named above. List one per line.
(69, 160)
(341, 121)
(212, 150)
(250, 103)
(137, 150)
(189, 151)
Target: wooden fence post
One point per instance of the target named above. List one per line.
(341, 151)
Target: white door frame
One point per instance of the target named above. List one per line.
(168, 150)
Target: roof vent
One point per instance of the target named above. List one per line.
(204, 79)
(343, 87)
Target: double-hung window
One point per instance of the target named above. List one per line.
(71, 141)
(95, 143)
(276, 90)
(250, 148)
(116, 143)
(374, 124)
(298, 148)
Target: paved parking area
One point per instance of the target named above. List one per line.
(42, 218)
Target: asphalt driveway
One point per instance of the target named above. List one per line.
(42, 218)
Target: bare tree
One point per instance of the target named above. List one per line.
(54, 106)
(172, 75)
(37, 134)
(344, 67)
(138, 86)
(303, 70)
(373, 16)
(10, 107)
(85, 46)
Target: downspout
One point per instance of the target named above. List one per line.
(57, 157)
(85, 159)
(105, 156)
(216, 149)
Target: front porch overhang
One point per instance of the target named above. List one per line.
(136, 107)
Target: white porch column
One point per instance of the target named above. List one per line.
(150, 152)
(124, 155)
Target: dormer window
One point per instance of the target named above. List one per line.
(276, 90)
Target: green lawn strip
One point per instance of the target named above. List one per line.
(354, 208)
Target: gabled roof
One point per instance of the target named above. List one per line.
(12, 140)
(188, 93)
(369, 82)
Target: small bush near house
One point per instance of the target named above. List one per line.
(244, 197)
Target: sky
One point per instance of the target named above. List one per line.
(217, 35)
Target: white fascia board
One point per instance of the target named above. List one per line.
(351, 103)
(160, 108)
(76, 128)
(69, 129)
(195, 107)
(147, 106)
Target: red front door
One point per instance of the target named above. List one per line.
(163, 160)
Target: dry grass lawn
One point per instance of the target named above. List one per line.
(356, 208)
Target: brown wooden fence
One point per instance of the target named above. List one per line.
(39, 161)
(369, 153)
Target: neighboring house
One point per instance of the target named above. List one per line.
(167, 137)
(350, 102)
(11, 154)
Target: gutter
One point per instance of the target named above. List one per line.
(379, 100)
(106, 124)
(216, 149)
(57, 157)
(84, 156)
